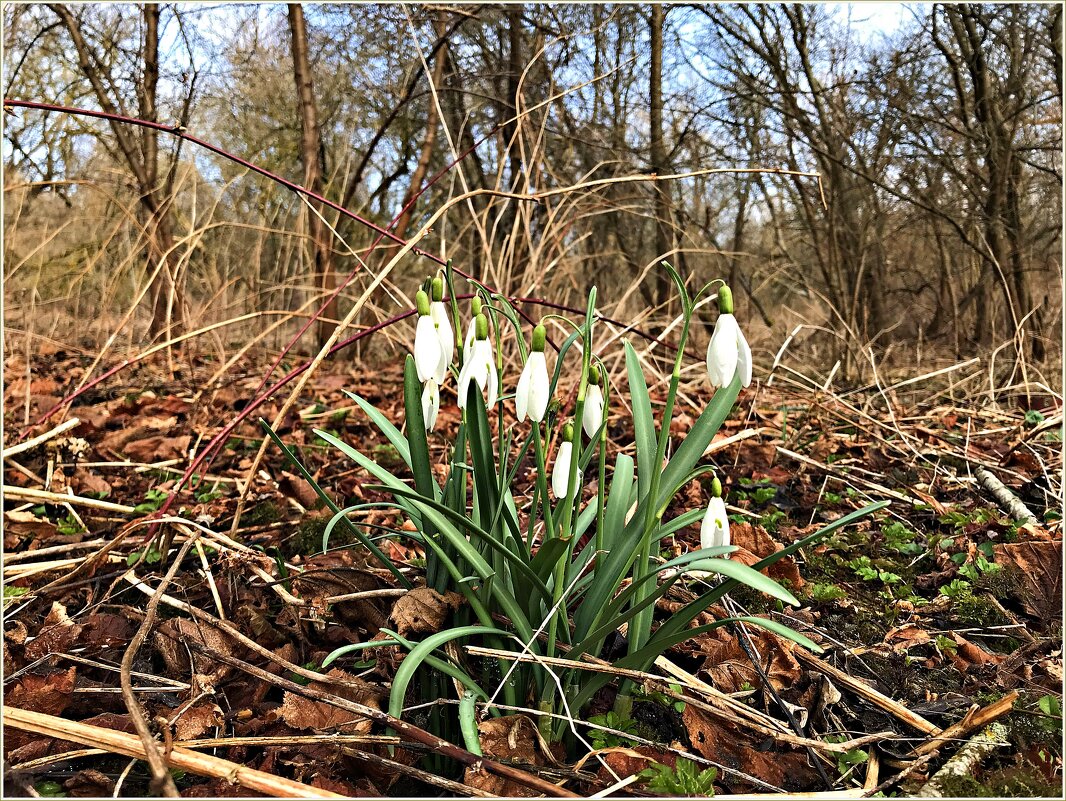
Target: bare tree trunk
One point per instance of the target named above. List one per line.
(419, 175)
(658, 280)
(314, 169)
(140, 149)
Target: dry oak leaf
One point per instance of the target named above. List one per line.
(514, 738)
(304, 713)
(968, 656)
(1036, 568)
(170, 638)
(197, 719)
(758, 543)
(729, 667)
(57, 635)
(909, 635)
(49, 695)
(423, 610)
(731, 748)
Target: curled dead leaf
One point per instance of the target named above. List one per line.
(423, 610)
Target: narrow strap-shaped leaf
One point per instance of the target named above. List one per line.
(643, 422)
(619, 500)
(391, 432)
(406, 672)
(418, 457)
(363, 539)
(688, 613)
(436, 511)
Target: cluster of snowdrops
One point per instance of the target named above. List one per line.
(552, 579)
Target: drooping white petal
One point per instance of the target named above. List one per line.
(592, 416)
(723, 351)
(561, 471)
(492, 378)
(427, 348)
(521, 395)
(478, 366)
(534, 389)
(714, 532)
(744, 359)
(471, 330)
(430, 404)
(442, 322)
(540, 390)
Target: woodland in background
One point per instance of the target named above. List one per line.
(938, 145)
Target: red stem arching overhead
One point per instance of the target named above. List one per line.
(383, 233)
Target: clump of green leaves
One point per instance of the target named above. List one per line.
(611, 720)
(686, 780)
(901, 539)
(866, 570)
(824, 593)
(847, 760)
(153, 502)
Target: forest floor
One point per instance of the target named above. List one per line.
(940, 617)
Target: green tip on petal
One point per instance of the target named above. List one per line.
(481, 327)
(475, 305)
(540, 336)
(716, 488)
(438, 289)
(594, 375)
(422, 302)
(725, 300)
(568, 432)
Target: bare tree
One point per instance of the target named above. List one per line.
(138, 147)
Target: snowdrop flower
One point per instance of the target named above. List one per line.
(534, 387)
(438, 312)
(430, 403)
(728, 351)
(715, 529)
(561, 471)
(475, 305)
(479, 366)
(592, 416)
(428, 352)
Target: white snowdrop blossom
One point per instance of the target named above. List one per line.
(471, 327)
(438, 312)
(534, 387)
(427, 350)
(728, 352)
(715, 529)
(430, 403)
(479, 366)
(561, 471)
(592, 415)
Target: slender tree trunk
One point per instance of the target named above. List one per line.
(314, 168)
(658, 280)
(419, 175)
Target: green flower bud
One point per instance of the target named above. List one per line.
(438, 289)
(725, 300)
(475, 305)
(568, 432)
(481, 327)
(594, 375)
(716, 488)
(540, 336)
(422, 302)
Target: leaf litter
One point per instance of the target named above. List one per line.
(931, 612)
